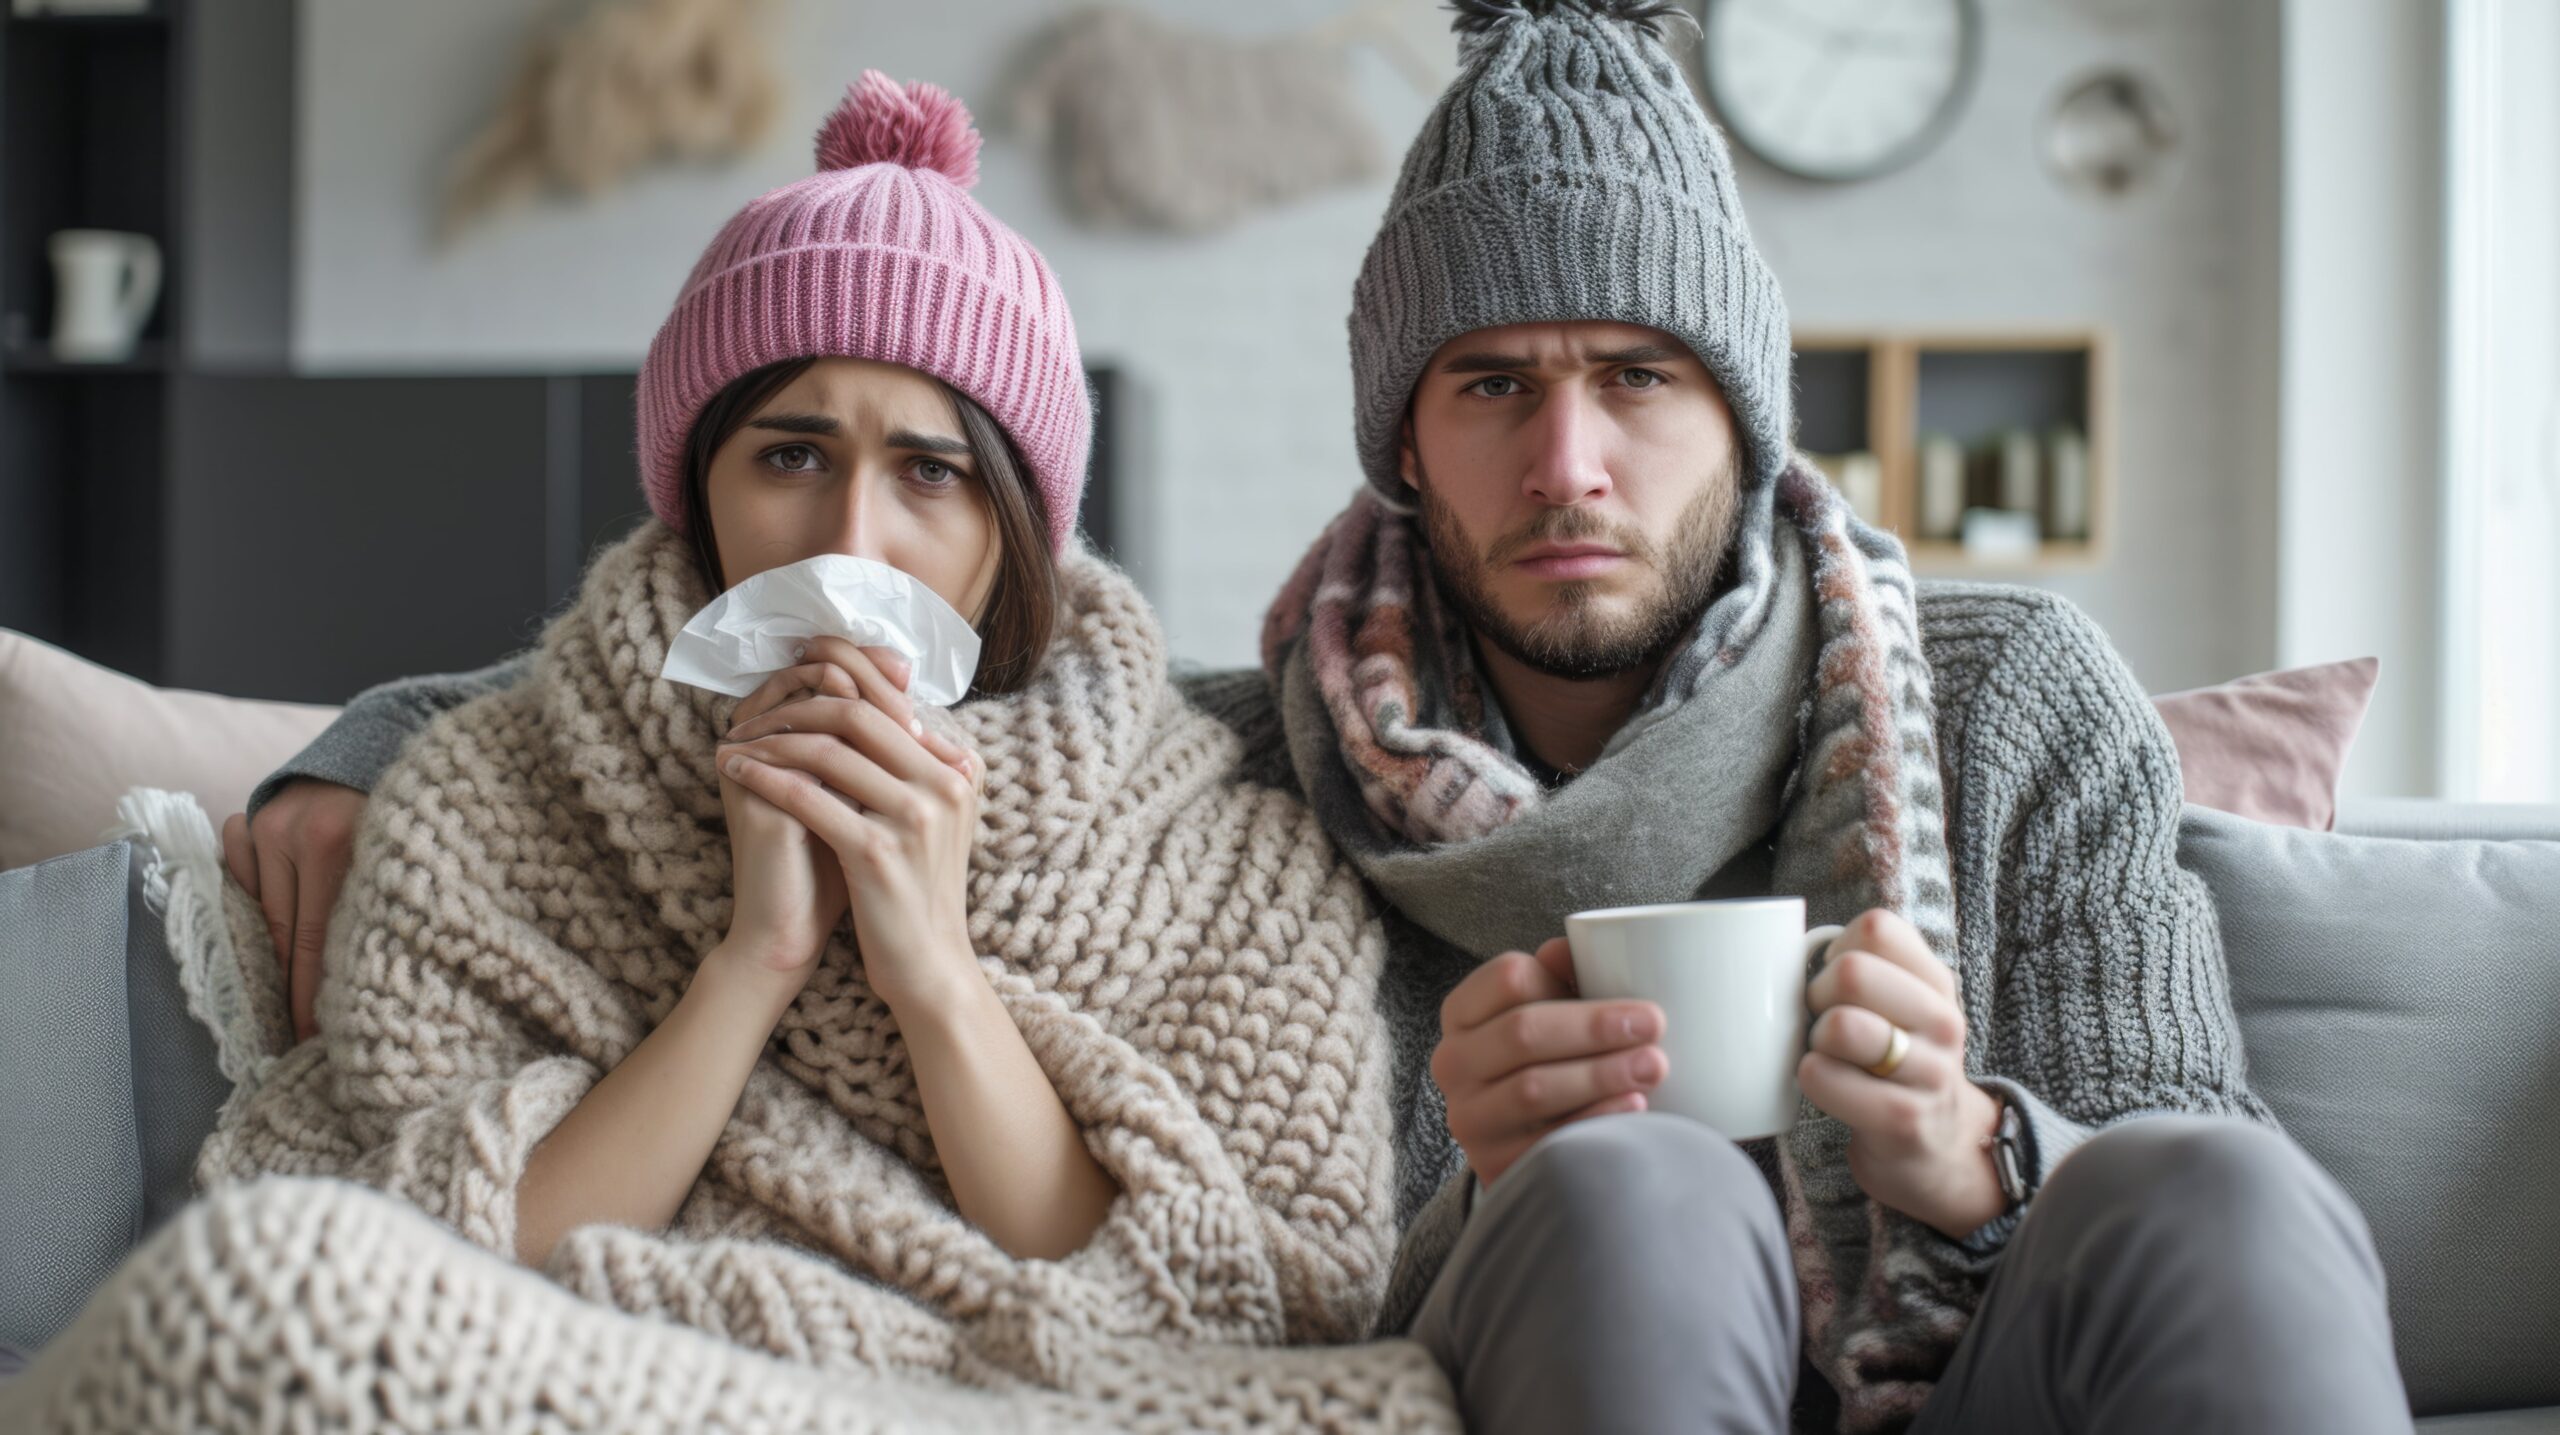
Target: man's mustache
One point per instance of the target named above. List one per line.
(1569, 525)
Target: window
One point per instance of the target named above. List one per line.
(2501, 658)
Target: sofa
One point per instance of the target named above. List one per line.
(2397, 982)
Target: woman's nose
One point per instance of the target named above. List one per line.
(856, 524)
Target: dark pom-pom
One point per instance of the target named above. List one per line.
(1484, 17)
(919, 126)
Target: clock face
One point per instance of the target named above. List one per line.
(1839, 89)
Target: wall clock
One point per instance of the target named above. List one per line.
(1839, 90)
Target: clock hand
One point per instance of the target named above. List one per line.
(1890, 40)
(1818, 79)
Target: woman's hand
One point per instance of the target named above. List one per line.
(1920, 1138)
(896, 803)
(788, 887)
(293, 859)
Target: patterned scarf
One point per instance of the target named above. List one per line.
(1410, 767)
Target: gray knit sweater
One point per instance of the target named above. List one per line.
(2090, 961)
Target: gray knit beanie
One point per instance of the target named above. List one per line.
(1568, 173)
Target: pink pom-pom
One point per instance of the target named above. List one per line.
(919, 126)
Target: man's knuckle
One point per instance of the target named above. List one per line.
(1853, 976)
(1532, 1089)
(1902, 1119)
(1826, 1030)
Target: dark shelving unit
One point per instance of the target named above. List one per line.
(88, 139)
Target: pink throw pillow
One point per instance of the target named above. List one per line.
(2271, 747)
(75, 736)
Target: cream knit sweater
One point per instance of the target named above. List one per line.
(536, 878)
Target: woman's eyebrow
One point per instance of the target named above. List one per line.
(928, 442)
(818, 424)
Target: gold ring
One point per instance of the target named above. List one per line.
(1895, 1049)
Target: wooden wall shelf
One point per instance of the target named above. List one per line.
(1889, 392)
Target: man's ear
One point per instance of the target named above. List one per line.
(1408, 463)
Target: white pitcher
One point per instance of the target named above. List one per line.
(105, 282)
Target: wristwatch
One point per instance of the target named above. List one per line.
(2008, 1159)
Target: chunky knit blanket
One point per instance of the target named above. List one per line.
(534, 883)
(1798, 715)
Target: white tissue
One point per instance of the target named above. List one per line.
(748, 633)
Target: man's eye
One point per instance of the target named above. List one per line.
(1486, 387)
(1641, 378)
(794, 458)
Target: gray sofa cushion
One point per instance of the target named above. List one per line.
(2545, 1421)
(110, 1085)
(2439, 821)
(2400, 1002)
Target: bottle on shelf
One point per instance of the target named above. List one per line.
(2066, 484)
(1942, 488)
(2021, 479)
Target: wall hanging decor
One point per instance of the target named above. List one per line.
(623, 85)
(1150, 125)
(2108, 134)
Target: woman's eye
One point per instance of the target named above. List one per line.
(1487, 387)
(795, 458)
(1642, 378)
(935, 475)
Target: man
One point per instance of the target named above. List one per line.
(1592, 637)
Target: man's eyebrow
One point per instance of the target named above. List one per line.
(930, 443)
(1484, 361)
(1638, 354)
(796, 423)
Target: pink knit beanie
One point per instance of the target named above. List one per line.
(880, 255)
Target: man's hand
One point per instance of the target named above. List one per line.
(1521, 1054)
(1919, 1138)
(293, 859)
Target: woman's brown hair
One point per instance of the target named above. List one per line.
(1022, 611)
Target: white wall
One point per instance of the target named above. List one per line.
(2362, 328)
(1237, 341)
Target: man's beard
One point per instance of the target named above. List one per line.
(1574, 639)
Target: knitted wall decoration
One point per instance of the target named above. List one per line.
(627, 84)
(1156, 126)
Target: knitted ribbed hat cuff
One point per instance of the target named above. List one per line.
(1518, 246)
(956, 326)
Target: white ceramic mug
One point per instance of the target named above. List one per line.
(105, 282)
(1730, 979)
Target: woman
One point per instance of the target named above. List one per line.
(1001, 1044)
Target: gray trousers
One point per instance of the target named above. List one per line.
(2176, 1273)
